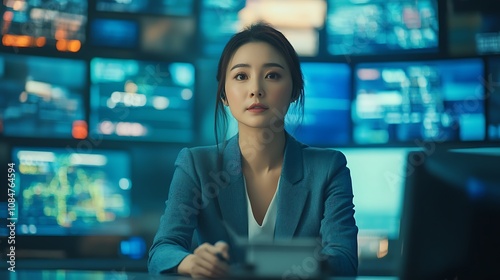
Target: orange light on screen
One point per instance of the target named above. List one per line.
(80, 130)
(74, 45)
(8, 16)
(21, 41)
(62, 45)
(40, 42)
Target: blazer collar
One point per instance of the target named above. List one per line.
(291, 195)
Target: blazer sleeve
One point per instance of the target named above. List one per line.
(172, 242)
(338, 227)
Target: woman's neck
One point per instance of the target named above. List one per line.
(262, 149)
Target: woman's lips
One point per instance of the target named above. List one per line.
(257, 108)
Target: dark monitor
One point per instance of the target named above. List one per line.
(155, 7)
(65, 192)
(376, 27)
(326, 120)
(42, 97)
(473, 27)
(59, 24)
(142, 100)
(114, 33)
(449, 225)
(440, 101)
(493, 94)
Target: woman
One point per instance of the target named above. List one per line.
(261, 183)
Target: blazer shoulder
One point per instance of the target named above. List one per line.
(324, 155)
(196, 160)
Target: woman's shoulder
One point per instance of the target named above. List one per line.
(319, 154)
(198, 153)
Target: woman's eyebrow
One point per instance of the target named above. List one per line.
(266, 65)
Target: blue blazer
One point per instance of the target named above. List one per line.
(314, 200)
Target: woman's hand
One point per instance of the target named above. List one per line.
(205, 262)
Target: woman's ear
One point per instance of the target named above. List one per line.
(224, 99)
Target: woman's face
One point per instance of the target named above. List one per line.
(258, 86)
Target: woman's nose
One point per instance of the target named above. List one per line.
(256, 89)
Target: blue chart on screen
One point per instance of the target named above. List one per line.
(427, 100)
(142, 100)
(379, 26)
(326, 119)
(41, 96)
(64, 192)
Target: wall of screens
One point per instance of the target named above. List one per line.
(139, 75)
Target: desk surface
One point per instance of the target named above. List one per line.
(116, 275)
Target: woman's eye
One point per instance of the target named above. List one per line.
(273, 76)
(240, 77)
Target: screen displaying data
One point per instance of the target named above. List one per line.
(473, 27)
(51, 23)
(378, 26)
(42, 97)
(61, 191)
(142, 100)
(423, 100)
(299, 20)
(326, 120)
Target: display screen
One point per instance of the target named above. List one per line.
(300, 21)
(42, 97)
(423, 100)
(114, 33)
(473, 27)
(158, 7)
(59, 23)
(142, 100)
(378, 178)
(61, 191)
(326, 120)
(168, 36)
(382, 26)
(493, 99)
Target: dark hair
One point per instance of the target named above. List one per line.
(258, 32)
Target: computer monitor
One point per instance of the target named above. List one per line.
(142, 100)
(493, 99)
(449, 225)
(327, 108)
(404, 102)
(114, 33)
(67, 192)
(220, 19)
(375, 27)
(59, 24)
(42, 97)
(473, 27)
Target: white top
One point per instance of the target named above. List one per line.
(266, 230)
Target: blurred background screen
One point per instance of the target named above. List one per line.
(65, 192)
(326, 120)
(42, 97)
(114, 33)
(382, 26)
(60, 24)
(426, 100)
(473, 27)
(141, 100)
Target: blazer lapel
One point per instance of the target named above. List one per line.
(232, 198)
(292, 195)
